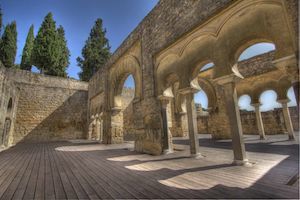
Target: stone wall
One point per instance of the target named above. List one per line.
(273, 122)
(48, 108)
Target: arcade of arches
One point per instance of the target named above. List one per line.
(167, 73)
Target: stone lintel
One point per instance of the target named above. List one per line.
(227, 79)
(283, 63)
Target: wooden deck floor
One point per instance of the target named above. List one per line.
(82, 170)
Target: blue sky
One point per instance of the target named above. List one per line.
(120, 17)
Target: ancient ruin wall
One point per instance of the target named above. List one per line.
(49, 108)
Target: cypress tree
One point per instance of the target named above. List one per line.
(26, 55)
(95, 53)
(0, 19)
(64, 53)
(8, 47)
(45, 52)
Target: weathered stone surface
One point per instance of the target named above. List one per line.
(44, 107)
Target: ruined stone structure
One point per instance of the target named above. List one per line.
(165, 54)
(35, 107)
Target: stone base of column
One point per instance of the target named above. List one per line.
(242, 163)
(197, 156)
(291, 137)
(167, 151)
(262, 137)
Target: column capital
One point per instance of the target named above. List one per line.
(231, 78)
(283, 101)
(256, 104)
(187, 90)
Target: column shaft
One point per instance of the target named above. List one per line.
(259, 122)
(287, 120)
(235, 123)
(192, 124)
(167, 141)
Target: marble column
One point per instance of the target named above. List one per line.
(287, 118)
(192, 121)
(167, 137)
(233, 113)
(259, 121)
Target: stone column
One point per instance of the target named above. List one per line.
(91, 127)
(296, 92)
(259, 121)
(167, 137)
(97, 127)
(192, 121)
(228, 85)
(101, 127)
(287, 118)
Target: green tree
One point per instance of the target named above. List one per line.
(8, 47)
(45, 52)
(95, 53)
(26, 55)
(64, 54)
(0, 19)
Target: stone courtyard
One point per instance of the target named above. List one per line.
(66, 139)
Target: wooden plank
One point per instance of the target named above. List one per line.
(19, 193)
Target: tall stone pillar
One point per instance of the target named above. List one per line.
(228, 85)
(167, 137)
(296, 92)
(101, 127)
(97, 127)
(91, 127)
(192, 121)
(287, 118)
(259, 121)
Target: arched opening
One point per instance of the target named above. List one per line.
(9, 106)
(201, 101)
(244, 103)
(127, 95)
(207, 66)
(255, 50)
(292, 98)
(268, 100)
(201, 105)
(7, 123)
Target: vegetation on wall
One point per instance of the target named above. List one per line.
(95, 53)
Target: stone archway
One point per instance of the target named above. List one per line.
(7, 123)
(128, 65)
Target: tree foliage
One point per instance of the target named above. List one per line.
(0, 19)
(26, 55)
(95, 53)
(50, 53)
(8, 46)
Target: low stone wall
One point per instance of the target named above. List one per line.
(273, 122)
(48, 108)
